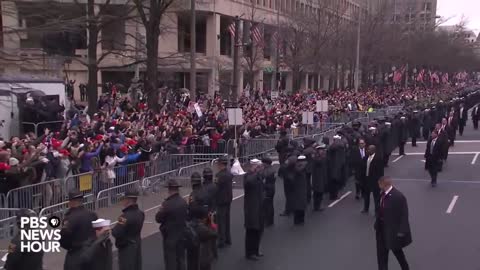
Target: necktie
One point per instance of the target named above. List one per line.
(433, 145)
(382, 200)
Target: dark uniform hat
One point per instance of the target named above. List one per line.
(267, 160)
(207, 172)
(75, 195)
(196, 178)
(131, 194)
(172, 183)
(223, 160)
(24, 213)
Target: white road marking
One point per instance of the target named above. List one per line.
(475, 158)
(444, 181)
(423, 160)
(450, 153)
(460, 141)
(452, 204)
(397, 159)
(341, 198)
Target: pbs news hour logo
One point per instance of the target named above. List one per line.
(39, 234)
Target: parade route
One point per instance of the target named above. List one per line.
(442, 220)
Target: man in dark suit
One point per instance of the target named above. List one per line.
(475, 117)
(462, 118)
(402, 135)
(253, 209)
(444, 134)
(453, 126)
(373, 171)
(391, 225)
(357, 158)
(433, 157)
(172, 217)
(224, 181)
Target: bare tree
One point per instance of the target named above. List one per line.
(151, 13)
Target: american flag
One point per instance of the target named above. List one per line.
(277, 42)
(421, 75)
(256, 35)
(231, 29)
(275, 38)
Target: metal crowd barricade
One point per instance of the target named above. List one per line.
(37, 128)
(8, 222)
(37, 196)
(194, 159)
(111, 196)
(153, 183)
(187, 171)
(199, 147)
(87, 183)
(59, 209)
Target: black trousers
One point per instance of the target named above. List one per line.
(317, 200)
(433, 175)
(309, 187)
(333, 188)
(414, 140)
(401, 148)
(475, 124)
(426, 133)
(460, 129)
(366, 197)
(386, 158)
(268, 210)
(382, 252)
(299, 217)
(223, 221)
(252, 242)
(173, 253)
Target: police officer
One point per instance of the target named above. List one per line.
(268, 175)
(172, 216)
(299, 193)
(127, 233)
(253, 209)
(414, 127)
(402, 135)
(18, 260)
(210, 189)
(76, 231)
(198, 196)
(97, 253)
(336, 163)
(319, 176)
(224, 180)
(308, 152)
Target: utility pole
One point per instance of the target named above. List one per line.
(236, 60)
(277, 58)
(193, 50)
(357, 60)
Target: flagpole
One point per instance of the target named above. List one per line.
(357, 60)
(277, 58)
(193, 49)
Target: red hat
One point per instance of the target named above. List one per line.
(99, 137)
(4, 166)
(124, 149)
(56, 143)
(131, 142)
(64, 152)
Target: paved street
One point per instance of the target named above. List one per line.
(342, 238)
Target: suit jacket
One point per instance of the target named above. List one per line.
(356, 161)
(393, 217)
(376, 171)
(463, 117)
(433, 159)
(475, 113)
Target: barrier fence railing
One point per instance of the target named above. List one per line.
(38, 128)
(112, 195)
(50, 197)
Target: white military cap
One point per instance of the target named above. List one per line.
(403, 117)
(388, 123)
(372, 128)
(338, 137)
(302, 157)
(100, 223)
(255, 162)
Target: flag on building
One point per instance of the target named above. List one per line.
(256, 34)
(231, 29)
(445, 78)
(398, 74)
(277, 43)
(435, 78)
(421, 75)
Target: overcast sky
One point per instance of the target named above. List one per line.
(454, 9)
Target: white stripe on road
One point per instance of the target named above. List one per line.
(452, 204)
(460, 141)
(450, 153)
(423, 160)
(397, 159)
(475, 158)
(341, 198)
(445, 181)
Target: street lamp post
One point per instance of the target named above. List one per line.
(357, 60)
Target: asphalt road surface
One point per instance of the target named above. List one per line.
(444, 223)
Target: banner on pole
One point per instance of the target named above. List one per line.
(307, 118)
(235, 116)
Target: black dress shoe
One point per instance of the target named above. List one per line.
(251, 258)
(357, 197)
(285, 214)
(434, 184)
(364, 211)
